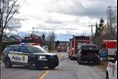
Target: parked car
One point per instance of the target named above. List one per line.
(103, 54)
(88, 53)
(111, 70)
(32, 56)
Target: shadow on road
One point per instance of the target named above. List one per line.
(26, 68)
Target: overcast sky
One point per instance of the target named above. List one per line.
(63, 16)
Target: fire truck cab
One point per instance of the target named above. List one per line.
(61, 48)
(34, 40)
(74, 43)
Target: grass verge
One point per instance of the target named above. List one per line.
(103, 65)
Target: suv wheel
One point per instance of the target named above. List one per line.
(33, 65)
(7, 63)
(79, 61)
(51, 67)
(97, 62)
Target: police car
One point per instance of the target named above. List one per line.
(32, 56)
(111, 71)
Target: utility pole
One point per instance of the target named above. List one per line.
(91, 29)
(112, 20)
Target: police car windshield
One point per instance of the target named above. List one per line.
(36, 49)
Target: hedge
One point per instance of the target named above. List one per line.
(8, 43)
(5, 43)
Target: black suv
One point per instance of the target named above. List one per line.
(88, 53)
(28, 55)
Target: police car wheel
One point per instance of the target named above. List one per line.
(33, 65)
(51, 67)
(8, 63)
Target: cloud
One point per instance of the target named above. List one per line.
(62, 14)
(57, 18)
(91, 8)
(14, 23)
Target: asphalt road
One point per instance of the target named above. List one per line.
(67, 69)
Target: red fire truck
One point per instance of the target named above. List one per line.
(61, 48)
(74, 44)
(111, 45)
(34, 40)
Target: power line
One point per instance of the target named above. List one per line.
(45, 28)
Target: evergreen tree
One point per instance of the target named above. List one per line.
(43, 39)
(98, 38)
(43, 36)
(101, 26)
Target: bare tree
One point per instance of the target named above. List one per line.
(8, 8)
(51, 40)
(112, 22)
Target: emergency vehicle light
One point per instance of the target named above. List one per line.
(22, 44)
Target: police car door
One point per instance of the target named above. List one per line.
(14, 54)
(17, 56)
(24, 55)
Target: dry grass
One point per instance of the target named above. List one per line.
(103, 65)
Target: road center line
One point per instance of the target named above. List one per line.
(44, 74)
(47, 71)
(61, 56)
